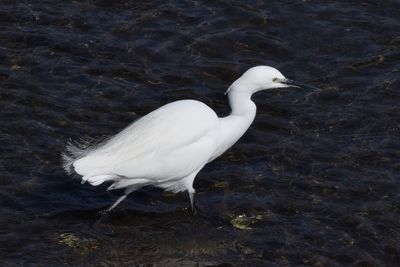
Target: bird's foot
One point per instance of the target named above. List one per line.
(195, 210)
(103, 212)
(192, 210)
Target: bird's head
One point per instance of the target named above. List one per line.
(263, 78)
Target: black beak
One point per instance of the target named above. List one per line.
(299, 84)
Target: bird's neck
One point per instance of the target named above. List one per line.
(241, 104)
(232, 127)
(243, 111)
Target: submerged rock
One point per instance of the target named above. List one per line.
(244, 221)
(72, 241)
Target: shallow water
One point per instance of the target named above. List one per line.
(315, 181)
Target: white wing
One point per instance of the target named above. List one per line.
(168, 143)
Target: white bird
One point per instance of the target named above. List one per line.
(169, 146)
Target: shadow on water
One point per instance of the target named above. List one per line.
(315, 180)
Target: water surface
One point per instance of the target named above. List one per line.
(314, 182)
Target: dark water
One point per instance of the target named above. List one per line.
(314, 182)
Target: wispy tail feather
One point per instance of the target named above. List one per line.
(67, 162)
(73, 151)
(78, 149)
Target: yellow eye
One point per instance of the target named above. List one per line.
(275, 80)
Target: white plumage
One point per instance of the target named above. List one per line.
(169, 146)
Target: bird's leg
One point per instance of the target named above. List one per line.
(192, 203)
(120, 199)
(189, 187)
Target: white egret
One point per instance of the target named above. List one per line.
(169, 146)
